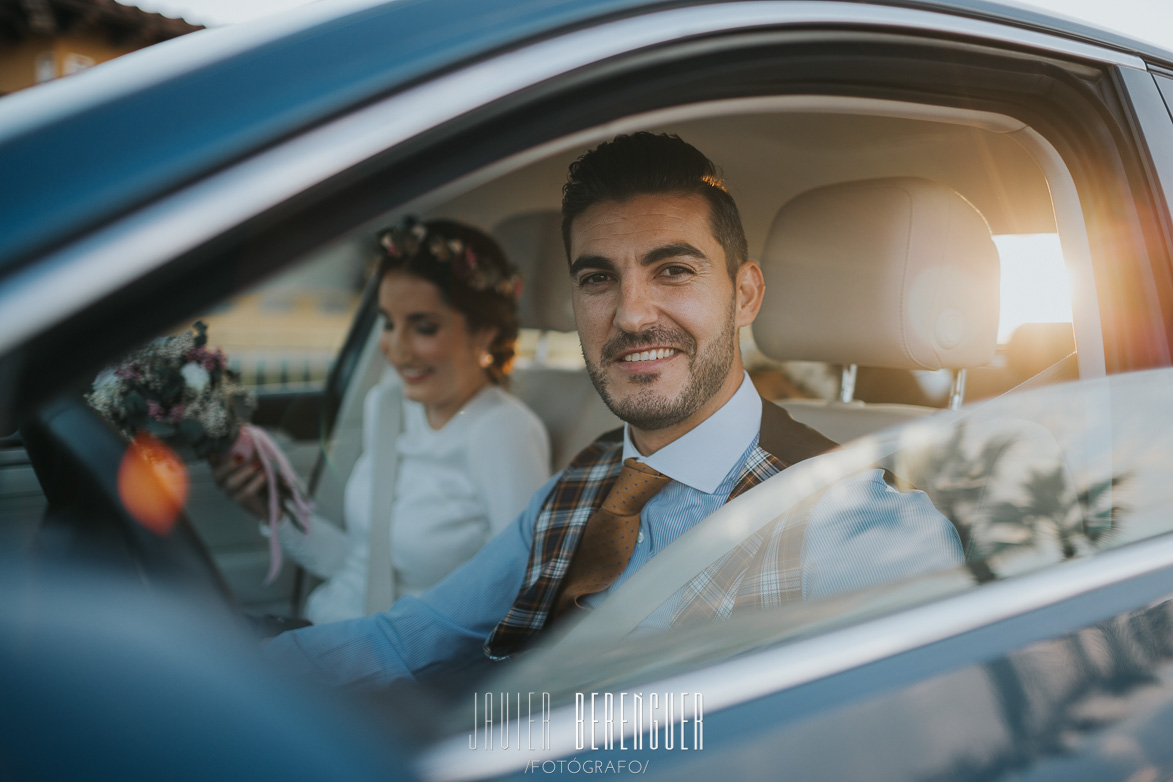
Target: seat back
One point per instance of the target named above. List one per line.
(532, 241)
(562, 396)
(1035, 347)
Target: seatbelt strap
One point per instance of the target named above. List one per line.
(384, 470)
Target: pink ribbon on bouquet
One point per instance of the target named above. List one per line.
(254, 443)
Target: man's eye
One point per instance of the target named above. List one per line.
(676, 271)
(597, 278)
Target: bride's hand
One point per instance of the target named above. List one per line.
(244, 483)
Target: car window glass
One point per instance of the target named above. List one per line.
(1166, 86)
(1035, 284)
(285, 334)
(281, 339)
(1026, 482)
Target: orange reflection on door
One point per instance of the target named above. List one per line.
(153, 483)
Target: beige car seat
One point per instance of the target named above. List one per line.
(902, 273)
(897, 273)
(563, 397)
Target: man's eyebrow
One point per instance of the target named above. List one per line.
(674, 250)
(591, 262)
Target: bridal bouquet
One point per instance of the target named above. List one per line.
(175, 389)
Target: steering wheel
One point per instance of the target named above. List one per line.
(77, 457)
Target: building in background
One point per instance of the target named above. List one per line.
(285, 333)
(42, 40)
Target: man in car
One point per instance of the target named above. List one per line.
(661, 284)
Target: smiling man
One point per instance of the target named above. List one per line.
(659, 307)
(661, 285)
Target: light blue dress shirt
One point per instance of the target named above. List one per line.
(447, 625)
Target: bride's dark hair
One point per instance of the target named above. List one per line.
(471, 271)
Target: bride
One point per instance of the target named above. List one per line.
(449, 456)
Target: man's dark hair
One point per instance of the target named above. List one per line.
(649, 163)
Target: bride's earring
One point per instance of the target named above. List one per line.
(486, 360)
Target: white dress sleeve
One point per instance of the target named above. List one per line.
(508, 459)
(324, 548)
(321, 551)
(327, 549)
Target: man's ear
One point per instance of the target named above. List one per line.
(750, 287)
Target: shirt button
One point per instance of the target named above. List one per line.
(640, 537)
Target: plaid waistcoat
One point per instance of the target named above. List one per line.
(587, 481)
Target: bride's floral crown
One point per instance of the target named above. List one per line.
(413, 239)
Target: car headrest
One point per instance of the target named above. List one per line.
(533, 242)
(898, 273)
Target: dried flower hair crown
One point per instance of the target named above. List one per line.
(408, 238)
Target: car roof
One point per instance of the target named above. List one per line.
(93, 146)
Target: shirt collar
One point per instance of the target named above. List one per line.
(703, 458)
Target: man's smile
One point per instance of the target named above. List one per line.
(653, 346)
(653, 354)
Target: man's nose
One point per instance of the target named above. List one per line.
(636, 309)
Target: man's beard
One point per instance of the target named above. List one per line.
(707, 372)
